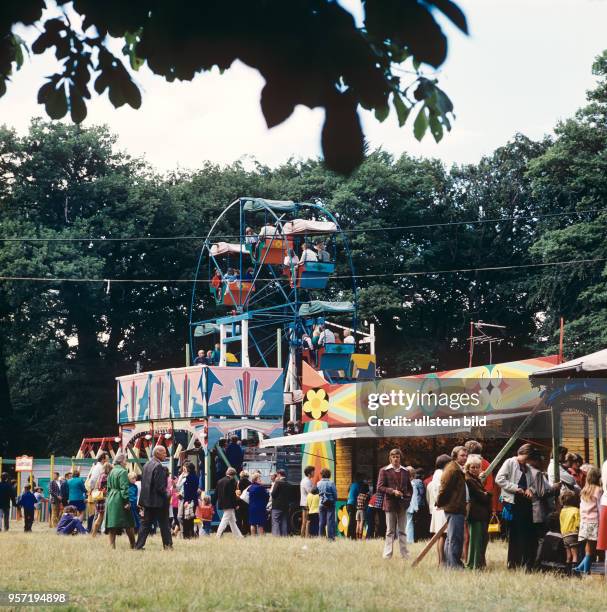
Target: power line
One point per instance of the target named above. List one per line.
(381, 275)
(345, 231)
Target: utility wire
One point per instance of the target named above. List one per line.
(346, 276)
(344, 231)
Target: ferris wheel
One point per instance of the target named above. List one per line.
(264, 273)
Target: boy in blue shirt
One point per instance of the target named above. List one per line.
(27, 502)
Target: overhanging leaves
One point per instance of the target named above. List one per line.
(306, 51)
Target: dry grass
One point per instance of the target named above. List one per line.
(271, 574)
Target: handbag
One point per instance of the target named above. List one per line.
(507, 514)
(494, 524)
(97, 495)
(244, 496)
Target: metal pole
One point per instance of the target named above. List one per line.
(555, 445)
(222, 345)
(244, 344)
(471, 349)
(207, 470)
(187, 355)
(278, 348)
(372, 338)
(601, 428)
(561, 339)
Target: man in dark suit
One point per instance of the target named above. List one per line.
(154, 499)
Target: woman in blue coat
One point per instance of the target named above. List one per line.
(258, 501)
(190, 497)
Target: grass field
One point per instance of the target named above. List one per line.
(272, 574)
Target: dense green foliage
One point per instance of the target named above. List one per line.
(309, 52)
(62, 342)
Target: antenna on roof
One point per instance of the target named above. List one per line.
(484, 333)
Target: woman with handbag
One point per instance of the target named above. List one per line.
(98, 496)
(479, 511)
(118, 514)
(190, 501)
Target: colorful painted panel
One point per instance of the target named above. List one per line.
(159, 396)
(318, 454)
(187, 392)
(249, 392)
(504, 389)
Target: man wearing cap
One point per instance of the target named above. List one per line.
(227, 501)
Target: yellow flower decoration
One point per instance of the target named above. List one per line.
(342, 520)
(316, 403)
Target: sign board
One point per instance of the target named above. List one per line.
(24, 464)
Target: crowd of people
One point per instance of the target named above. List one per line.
(550, 523)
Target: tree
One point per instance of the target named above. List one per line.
(309, 52)
(571, 176)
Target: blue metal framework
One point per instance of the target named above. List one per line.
(274, 304)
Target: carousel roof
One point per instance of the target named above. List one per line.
(298, 227)
(594, 364)
(225, 248)
(317, 307)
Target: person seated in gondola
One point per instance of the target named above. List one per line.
(326, 336)
(308, 352)
(201, 358)
(230, 276)
(250, 237)
(291, 259)
(307, 254)
(249, 275)
(322, 253)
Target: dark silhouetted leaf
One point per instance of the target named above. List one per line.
(402, 110)
(421, 124)
(56, 104)
(45, 91)
(455, 14)
(101, 83)
(77, 106)
(382, 112)
(435, 126)
(275, 104)
(342, 137)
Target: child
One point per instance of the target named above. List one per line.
(133, 494)
(589, 517)
(27, 502)
(175, 506)
(570, 524)
(204, 512)
(69, 523)
(313, 502)
(361, 504)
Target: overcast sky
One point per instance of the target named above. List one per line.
(526, 64)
